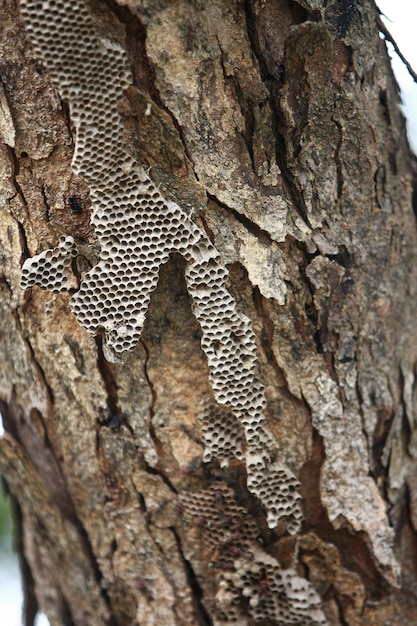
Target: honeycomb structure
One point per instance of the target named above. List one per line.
(227, 533)
(137, 229)
(272, 483)
(223, 435)
(246, 573)
(51, 269)
(277, 489)
(273, 593)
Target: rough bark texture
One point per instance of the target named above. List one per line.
(275, 124)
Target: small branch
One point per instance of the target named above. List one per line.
(384, 30)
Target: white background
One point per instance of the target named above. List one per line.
(400, 17)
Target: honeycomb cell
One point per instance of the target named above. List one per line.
(246, 574)
(51, 269)
(225, 528)
(277, 489)
(223, 436)
(137, 229)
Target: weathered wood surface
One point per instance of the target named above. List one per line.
(276, 124)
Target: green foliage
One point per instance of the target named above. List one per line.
(5, 519)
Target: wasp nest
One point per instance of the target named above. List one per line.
(51, 269)
(247, 574)
(137, 229)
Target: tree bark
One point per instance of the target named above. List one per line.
(275, 126)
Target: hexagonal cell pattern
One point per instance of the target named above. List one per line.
(272, 593)
(247, 574)
(277, 489)
(226, 530)
(137, 229)
(223, 436)
(51, 269)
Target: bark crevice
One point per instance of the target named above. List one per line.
(261, 234)
(201, 613)
(142, 68)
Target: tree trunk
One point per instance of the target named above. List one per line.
(245, 453)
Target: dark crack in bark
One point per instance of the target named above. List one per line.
(142, 69)
(201, 613)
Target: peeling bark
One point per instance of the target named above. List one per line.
(275, 126)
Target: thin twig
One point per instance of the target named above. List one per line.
(384, 30)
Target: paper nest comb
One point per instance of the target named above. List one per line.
(137, 229)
